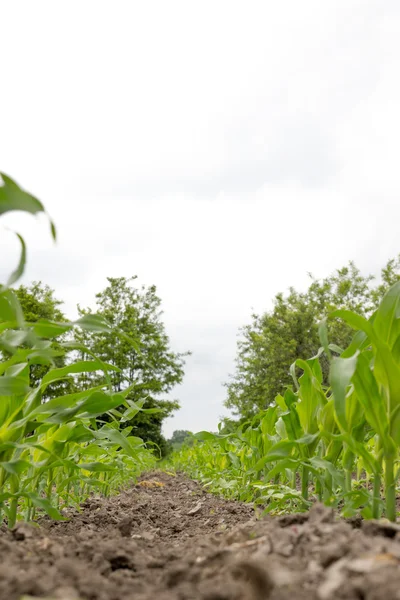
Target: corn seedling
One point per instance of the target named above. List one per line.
(54, 453)
(338, 444)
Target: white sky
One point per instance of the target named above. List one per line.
(218, 149)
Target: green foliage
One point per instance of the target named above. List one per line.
(39, 305)
(337, 443)
(38, 302)
(179, 438)
(147, 365)
(275, 339)
(53, 453)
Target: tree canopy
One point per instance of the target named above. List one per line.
(39, 302)
(140, 350)
(275, 339)
(143, 357)
(179, 437)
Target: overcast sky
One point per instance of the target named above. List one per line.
(217, 149)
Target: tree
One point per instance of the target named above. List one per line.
(275, 339)
(144, 357)
(179, 437)
(39, 302)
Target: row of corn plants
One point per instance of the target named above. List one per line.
(54, 453)
(338, 444)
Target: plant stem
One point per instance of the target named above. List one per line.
(318, 489)
(348, 480)
(304, 482)
(377, 497)
(390, 489)
(12, 513)
(328, 486)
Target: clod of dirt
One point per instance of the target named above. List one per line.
(320, 514)
(384, 528)
(256, 575)
(196, 509)
(23, 531)
(293, 519)
(125, 526)
(332, 552)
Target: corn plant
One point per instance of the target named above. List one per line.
(54, 453)
(337, 443)
(369, 373)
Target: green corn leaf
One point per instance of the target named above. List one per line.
(95, 323)
(335, 348)
(96, 467)
(10, 309)
(82, 366)
(325, 465)
(323, 336)
(359, 342)
(13, 386)
(292, 423)
(308, 439)
(98, 403)
(341, 373)
(386, 370)
(372, 465)
(282, 465)
(15, 467)
(15, 275)
(44, 504)
(280, 428)
(115, 437)
(290, 398)
(292, 372)
(396, 350)
(61, 403)
(49, 329)
(369, 396)
(311, 395)
(12, 197)
(355, 321)
(206, 435)
(387, 374)
(11, 339)
(7, 313)
(387, 315)
(326, 418)
(18, 370)
(283, 449)
(268, 421)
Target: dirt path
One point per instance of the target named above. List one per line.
(168, 539)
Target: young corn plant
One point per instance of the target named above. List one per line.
(338, 444)
(54, 453)
(369, 373)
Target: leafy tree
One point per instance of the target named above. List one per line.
(275, 339)
(39, 302)
(179, 437)
(148, 425)
(143, 357)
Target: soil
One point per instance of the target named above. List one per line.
(167, 538)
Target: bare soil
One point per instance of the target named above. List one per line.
(167, 538)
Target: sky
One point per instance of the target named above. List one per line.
(220, 150)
